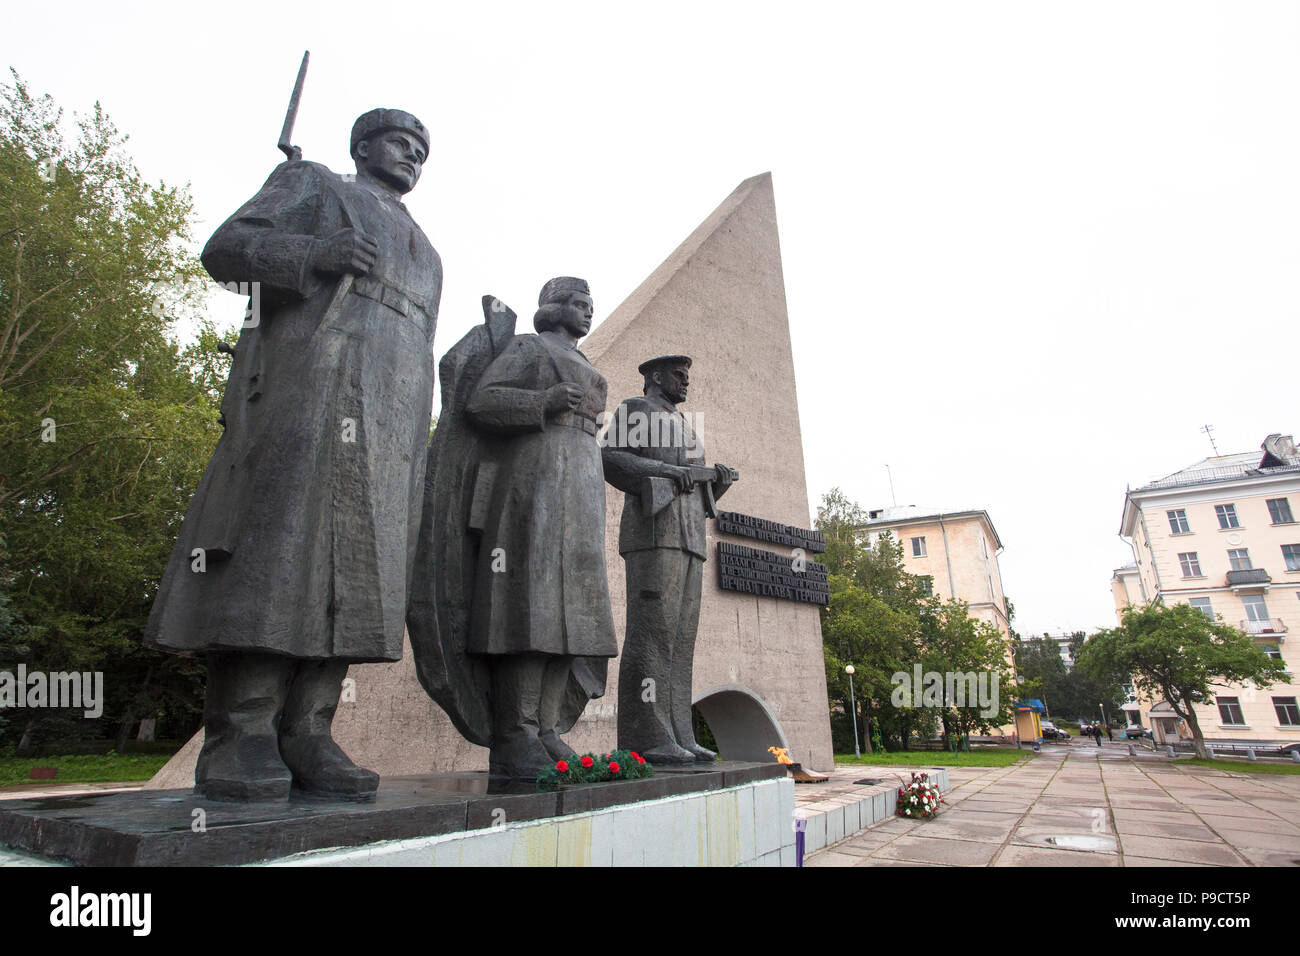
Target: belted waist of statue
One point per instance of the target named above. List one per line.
(390, 295)
(577, 420)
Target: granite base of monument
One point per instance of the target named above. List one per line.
(408, 815)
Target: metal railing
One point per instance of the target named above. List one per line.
(1223, 473)
(1262, 748)
(1248, 576)
(1272, 626)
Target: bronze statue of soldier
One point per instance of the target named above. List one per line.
(653, 454)
(294, 557)
(510, 621)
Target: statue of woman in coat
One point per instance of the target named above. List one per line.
(523, 605)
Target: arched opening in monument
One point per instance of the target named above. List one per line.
(740, 723)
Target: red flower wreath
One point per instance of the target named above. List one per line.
(613, 766)
(637, 757)
(562, 766)
(587, 762)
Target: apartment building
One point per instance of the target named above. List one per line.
(1064, 646)
(1222, 536)
(954, 552)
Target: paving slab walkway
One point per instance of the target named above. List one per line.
(1080, 805)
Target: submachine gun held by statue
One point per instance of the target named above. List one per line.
(658, 493)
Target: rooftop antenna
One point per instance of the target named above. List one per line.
(1207, 429)
(892, 496)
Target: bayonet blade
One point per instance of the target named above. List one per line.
(286, 133)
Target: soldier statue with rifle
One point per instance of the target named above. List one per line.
(652, 453)
(294, 557)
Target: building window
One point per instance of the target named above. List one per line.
(1257, 620)
(1274, 653)
(1190, 563)
(1288, 714)
(1279, 509)
(1178, 521)
(918, 547)
(1227, 515)
(926, 583)
(1203, 605)
(1291, 553)
(1229, 711)
(1239, 558)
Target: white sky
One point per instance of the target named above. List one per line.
(1030, 248)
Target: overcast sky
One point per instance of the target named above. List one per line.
(1029, 248)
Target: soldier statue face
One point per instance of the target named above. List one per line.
(394, 157)
(575, 317)
(673, 381)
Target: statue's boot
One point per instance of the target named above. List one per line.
(667, 753)
(319, 765)
(702, 754)
(555, 681)
(684, 730)
(517, 750)
(240, 759)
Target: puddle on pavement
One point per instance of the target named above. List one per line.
(1075, 841)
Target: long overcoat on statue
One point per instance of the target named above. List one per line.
(543, 508)
(301, 536)
(511, 558)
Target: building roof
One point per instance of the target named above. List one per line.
(884, 518)
(1223, 468)
(1278, 459)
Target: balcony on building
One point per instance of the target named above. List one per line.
(1274, 628)
(1252, 579)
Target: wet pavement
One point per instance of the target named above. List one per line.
(1080, 805)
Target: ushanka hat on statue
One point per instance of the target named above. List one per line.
(377, 121)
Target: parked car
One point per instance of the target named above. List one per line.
(1135, 732)
(1053, 732)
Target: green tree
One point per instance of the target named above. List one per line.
(1041, 672)
(105, 420)
(953, 642)
(1082, 695)
(1176, 654)
(871, 623)
(881, 620)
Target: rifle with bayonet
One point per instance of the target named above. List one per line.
(658, 493)
(293, 154)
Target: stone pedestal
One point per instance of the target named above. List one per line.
(178, 828)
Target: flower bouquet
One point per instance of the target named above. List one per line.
(920, 799)
(592, 768)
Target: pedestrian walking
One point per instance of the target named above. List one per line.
(1096, 733)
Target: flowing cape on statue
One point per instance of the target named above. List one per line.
(447, 556)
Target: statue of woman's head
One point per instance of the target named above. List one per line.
(565, 304)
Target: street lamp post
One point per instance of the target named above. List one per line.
(857, 752)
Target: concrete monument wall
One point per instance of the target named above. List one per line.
(720, 298)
